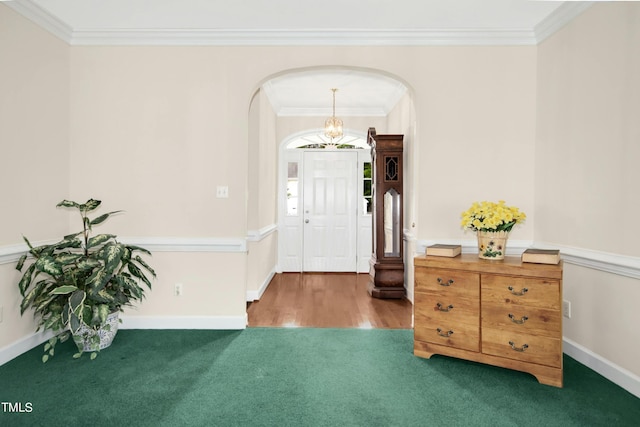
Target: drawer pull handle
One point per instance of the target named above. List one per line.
(520, 349)
(442, 308)
(445, 334)
(519, 322)
(522, 292)
(443, 283)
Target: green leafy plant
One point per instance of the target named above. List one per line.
(76, 283)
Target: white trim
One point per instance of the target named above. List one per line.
(42, 18)
(616, 374)
(188, 244)
(183, 322)
(621, 265)
(12, 253)
(559, 18)
(514, 247)
(298, 37)
(257, 294)
(28, 342)
(11, 351)
(258, 235)
(409, 236)
(301, 37)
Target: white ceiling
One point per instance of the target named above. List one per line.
(292, 14)
(305, 22)
(308, 93)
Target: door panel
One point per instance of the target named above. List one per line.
(330, 211)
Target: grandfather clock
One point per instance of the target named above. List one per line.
(387, 260)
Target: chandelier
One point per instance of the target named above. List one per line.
(333, 125)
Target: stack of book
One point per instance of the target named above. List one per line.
(541, 256)
(444, 250)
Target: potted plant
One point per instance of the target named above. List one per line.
(492, 222)
(78, 285)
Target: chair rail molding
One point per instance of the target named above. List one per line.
(258, 235)
(621, 265)
(11, 253)
(188, 244)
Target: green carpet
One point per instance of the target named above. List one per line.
(294, 377)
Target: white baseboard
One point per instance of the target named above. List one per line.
(183, 322)
(257, 294)
(23, 345)
(614, 373)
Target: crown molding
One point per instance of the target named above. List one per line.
(559, 18)
(301, 37)
(298, 37)
(42, 18)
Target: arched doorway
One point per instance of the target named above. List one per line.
(271, 121)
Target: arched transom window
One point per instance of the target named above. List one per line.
(319, 140)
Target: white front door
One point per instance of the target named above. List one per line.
(330, 211)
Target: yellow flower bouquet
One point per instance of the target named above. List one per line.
(491, 216)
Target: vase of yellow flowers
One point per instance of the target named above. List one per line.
(492, 222)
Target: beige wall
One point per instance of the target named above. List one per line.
(213, 286)
(262, 254)
(587, 151)
(604, 315)
(34, 130)
(401, 120)
(176, 120)
(253, 188)
(154, 132)
(34, 142)
(588, 135)
(475, 118)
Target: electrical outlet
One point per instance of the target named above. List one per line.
(566, 309)
(177, 291)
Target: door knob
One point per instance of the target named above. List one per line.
(306, 221)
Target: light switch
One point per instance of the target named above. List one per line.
(222, 192)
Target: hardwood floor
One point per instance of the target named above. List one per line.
(326, 300)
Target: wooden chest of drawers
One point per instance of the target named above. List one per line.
(503, 313)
